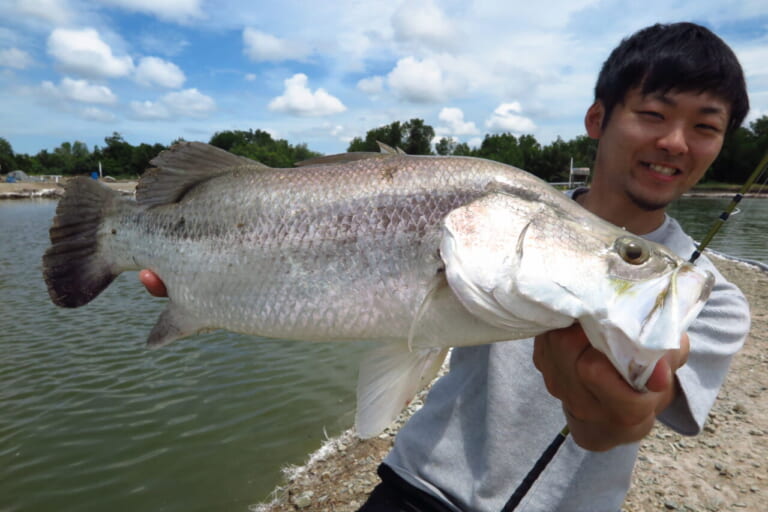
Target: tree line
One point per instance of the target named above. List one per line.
(741, 151)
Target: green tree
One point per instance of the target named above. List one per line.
(554, 164)
(7, 157)
(529, 150)
(583, 150)
(391, 134)
(501, 147)
(734, 161)
(463, 149)
(414, 137)
(417, 137)
(140, 157)
(445, 146)
(260, 146)
(116, 156)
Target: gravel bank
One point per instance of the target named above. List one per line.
(723, 469)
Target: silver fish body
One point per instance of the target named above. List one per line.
(423, 253)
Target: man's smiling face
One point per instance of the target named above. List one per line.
(655, 147)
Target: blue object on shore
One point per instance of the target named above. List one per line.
(95, 175)
(10, 179)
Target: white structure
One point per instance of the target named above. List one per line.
(577, 171)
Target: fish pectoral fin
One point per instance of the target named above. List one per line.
(437, 284)
(390, 375)
(174, 323)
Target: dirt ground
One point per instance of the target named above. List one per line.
(725, 468)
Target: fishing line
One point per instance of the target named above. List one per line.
(551, 450)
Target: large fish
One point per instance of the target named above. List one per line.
(421, 253)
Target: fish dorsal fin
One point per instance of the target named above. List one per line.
(389, 150)
(341, 158)
(354, 156)
(182, 167)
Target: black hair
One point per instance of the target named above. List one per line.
(682, 57)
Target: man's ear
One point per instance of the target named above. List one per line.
(593, 120)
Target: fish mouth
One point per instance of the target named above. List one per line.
(647, 319)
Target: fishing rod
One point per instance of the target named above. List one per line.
(549, 453)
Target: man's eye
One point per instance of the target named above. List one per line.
(709, 127)
(651, 114)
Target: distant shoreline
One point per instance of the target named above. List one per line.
(51, 190)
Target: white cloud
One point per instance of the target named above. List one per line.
(84, 52)
(250, 77)
(189, 102)
(261, 47)
(299, 100)
(150, 110)
(420, 81)
(81, 91)
(454, 122)
(170, 10)
(423, 21)
(15, 58)
(56, 12)
(168, 43)
(186, 103)
(507, 118)
(97, 114)
(156, 71)
(372, 85)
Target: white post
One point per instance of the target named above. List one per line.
(100, 175)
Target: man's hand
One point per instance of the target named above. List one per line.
(153, 283)
(603, 411)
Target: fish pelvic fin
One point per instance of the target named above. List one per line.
(174, 323)
(390, 376)
(184, 166)
(75, 267)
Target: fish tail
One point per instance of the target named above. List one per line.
(75, 267)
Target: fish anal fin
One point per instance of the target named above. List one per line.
(174, 323)
(184, 166)
(390, 376)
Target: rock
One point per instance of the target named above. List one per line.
(304, 499)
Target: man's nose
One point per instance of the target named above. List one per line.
(673, 141)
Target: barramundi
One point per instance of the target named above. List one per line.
(421, 253)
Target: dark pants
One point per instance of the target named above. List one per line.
(394, 494)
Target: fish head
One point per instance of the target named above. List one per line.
(530, 266)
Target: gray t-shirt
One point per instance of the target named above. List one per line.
(486, 423)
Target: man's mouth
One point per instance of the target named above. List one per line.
(663, 169)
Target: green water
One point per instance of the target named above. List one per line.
(91, 420)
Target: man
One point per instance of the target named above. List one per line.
(664, 100)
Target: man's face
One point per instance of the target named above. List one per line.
(656, 147)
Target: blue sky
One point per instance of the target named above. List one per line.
(321, 73)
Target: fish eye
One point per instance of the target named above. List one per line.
(632, 250)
